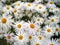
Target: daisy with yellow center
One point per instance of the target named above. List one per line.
(29, 6)
(49, 31)
(5, 23)
(53, 20)
(19, 26)
(21, 37)
(7, 9)
(9, 37)
(38, 20)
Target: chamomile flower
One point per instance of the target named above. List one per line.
(51, 4)
(32, 27)
(21, 38)
(49, 31)
(57, 29)
(29, 6)
(53, 20)
(40, 38)
(7, 9)
(19, 5)
(9, 37)
(18, 26)
(5, 23)
(44, 13)
(40, 8)
(38, 20)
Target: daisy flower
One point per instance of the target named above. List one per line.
(38, 20)
(29, 6)
(51, 4)
(49, 31)
(9, 37)
(7, 9)
(32, 27)
(21, 38)
(57, 29)
(5, 23)
(18, 26)
(40, 8)
(19, 5)
(53, 20)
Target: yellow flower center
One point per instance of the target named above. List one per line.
(44, 12)
(29, 4)
(40, 37)
(51, 8)
(30, 37)
(7, 7)
(38, 19)
(18, 4)
(15, 10)
(32, 26)
(49, 30)
(51, 2)
(4, 20)
(37, 44)
(57, 29)
(52, 20)
(51, 44)
(40, 7)
(20, 37)
(19, 25)
(8, 37)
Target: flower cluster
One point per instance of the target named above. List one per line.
(23, 23)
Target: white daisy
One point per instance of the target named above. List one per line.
(29, 6)
(53, 20)
(21, 38)
(51, 4)
(7, 9)
(18, 26)
(40, 8)
(32, 27)
(9, 37)
(38, 20)
(57, 29)
(5, 23)
(49, 31)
